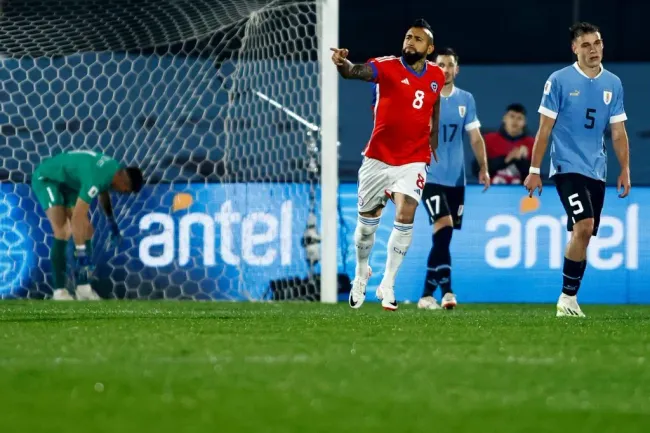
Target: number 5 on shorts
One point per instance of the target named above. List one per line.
(574, 202)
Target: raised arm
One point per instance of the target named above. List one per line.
(349, 70)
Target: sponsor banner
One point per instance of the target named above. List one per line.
(511, 248)
(228, 241)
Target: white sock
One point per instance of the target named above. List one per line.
(364, 239)
(398, 245)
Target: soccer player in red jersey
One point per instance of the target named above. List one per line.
(397, 157)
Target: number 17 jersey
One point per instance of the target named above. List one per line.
(457, 115)
(403, 109)
(582, 107)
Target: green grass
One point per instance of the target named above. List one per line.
(229, 367)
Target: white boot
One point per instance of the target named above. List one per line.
(428, 303)
(358, 292)
(86, 293)
(62, 295)
(567, 306)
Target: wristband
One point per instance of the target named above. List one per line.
(534, 170)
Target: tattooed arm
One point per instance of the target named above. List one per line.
(356, 72)
(347, 69)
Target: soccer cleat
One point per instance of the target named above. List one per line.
(567, 306)
(86, 293)
(428, 303)
(358, 292)
(387, 298)
(448, 301)
(62, 295)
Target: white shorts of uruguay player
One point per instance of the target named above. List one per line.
(377, 181)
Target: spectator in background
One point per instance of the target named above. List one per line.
(509, 150)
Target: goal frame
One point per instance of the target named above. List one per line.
(180, 113)
(328, 37)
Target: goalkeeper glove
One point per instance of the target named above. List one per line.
(82, 265)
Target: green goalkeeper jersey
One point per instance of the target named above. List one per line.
(85, 172)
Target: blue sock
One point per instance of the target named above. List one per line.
(439, 263)
(430, 284)
(571, 275)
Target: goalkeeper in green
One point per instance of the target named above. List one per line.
(65, 185)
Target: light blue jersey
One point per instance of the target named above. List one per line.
(582, 107)
(457, 114)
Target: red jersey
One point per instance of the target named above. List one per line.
(403, 111)
(498, 144)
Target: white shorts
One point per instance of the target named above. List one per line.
(378, 181)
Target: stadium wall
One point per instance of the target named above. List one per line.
(484, 34)
(74, 100)
(509, 252)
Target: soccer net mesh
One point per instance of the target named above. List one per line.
(180, 88)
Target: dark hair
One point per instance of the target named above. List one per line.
(421, 23)
(448, 52)
(135, 176)
(517, 108)
(583, 28)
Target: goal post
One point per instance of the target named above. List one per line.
(328, 19)
(229, 107)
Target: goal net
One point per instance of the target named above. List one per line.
(216, 100)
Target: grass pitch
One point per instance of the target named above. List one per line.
(136, 367)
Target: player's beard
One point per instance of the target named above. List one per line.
(412, 58)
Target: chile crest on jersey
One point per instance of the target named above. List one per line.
(434, 87)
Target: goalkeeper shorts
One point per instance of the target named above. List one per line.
(49, 193)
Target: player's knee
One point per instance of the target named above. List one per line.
(405, 216)
(61, 231)
(367, 226)
(405, 210)
(583, 230)
(442, 223)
